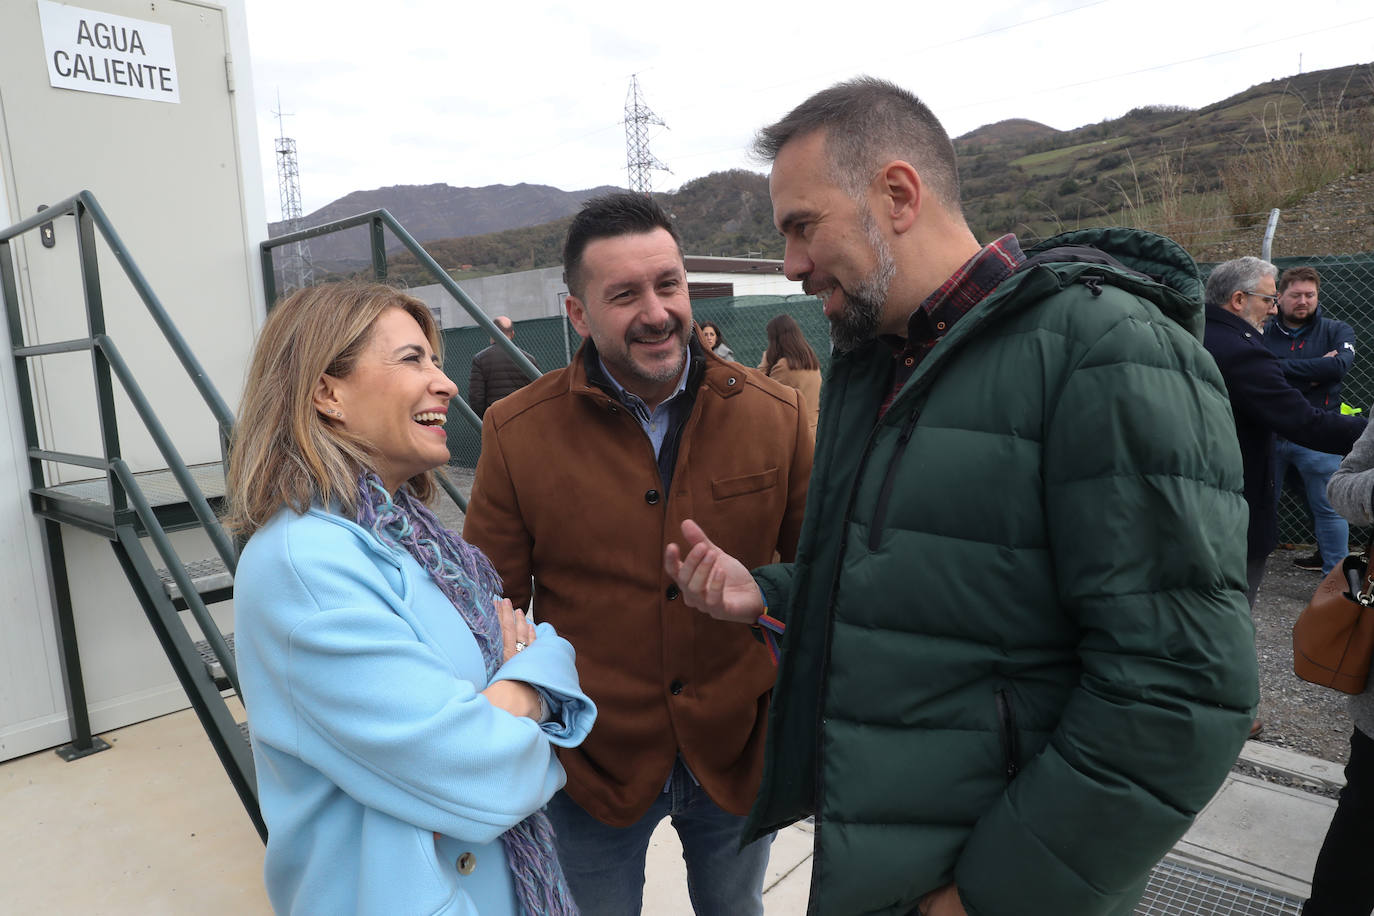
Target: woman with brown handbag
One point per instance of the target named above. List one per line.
(1341, 883)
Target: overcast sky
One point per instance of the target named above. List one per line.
(473, 94)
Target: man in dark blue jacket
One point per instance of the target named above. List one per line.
(1240, 295)
(1315, 353)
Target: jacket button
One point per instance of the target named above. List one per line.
(466, 863)
(730, 381)
(675, 687)
(651, 497)
(613, 409)
(672, 592)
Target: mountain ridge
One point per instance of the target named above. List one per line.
(1162, 167)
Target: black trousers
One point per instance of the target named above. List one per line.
(1343, 884)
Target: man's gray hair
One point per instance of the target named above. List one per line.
(868, 123)
(1242, 275)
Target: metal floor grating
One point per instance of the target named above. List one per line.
(160, 487)
(207, 655)
(1178, 890)
(206, 575)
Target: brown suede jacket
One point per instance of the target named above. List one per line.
(567, 493)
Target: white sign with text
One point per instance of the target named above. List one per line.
(91, 51)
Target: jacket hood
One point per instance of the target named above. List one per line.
(1163, 271)
(1143, 264)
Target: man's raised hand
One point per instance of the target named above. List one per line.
(711, 580)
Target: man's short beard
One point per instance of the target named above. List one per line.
(616, 355)
(858, 322)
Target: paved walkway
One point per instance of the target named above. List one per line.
(153, 827)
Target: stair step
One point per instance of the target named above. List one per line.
(211, 660)
(206, 575)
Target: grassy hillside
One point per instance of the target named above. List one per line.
(1181, 171)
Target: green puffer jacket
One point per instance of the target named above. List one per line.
(1018, 654)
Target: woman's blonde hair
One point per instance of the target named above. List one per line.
(284, 452)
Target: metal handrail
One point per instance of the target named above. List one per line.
(377, 219)
(194, 495)
(177, 568)
(224, 417)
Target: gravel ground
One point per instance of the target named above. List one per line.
(446, 509)
(1297, 715)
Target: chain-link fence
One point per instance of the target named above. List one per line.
(552, 342)
(1305, 237)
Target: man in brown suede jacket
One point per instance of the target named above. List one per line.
(585, 475)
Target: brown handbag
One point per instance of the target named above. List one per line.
(1333, 640)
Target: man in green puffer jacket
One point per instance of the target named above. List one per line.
(1018, 658)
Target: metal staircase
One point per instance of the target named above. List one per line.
(133, 511)
(138, 511)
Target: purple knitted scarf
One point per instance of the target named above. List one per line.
(467, 578)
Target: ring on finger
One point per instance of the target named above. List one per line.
(519, 646)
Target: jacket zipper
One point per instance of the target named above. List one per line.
(875, 532)
(825, 664)
(1006, 725)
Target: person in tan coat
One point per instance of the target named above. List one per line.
(584, 478)
(790, 359)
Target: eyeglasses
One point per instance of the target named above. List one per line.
(1268, 300)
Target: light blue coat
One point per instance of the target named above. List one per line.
(370, 735)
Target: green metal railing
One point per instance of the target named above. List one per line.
(90, 217)
(131, 513)
(377, 221)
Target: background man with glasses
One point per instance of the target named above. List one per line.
(1240, 295)
(1315, 352)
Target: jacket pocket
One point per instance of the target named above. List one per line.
(749, 483)
(1006, 728)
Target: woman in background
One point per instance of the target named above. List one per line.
(403, 715)
(790, 360)
(714, 340)
(1342, 884)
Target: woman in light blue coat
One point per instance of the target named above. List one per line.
(403, 716)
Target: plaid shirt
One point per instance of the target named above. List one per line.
(934, 317)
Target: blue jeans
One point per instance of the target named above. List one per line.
(1315, 469)
(605, 865)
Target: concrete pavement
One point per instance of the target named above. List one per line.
(153, 827)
